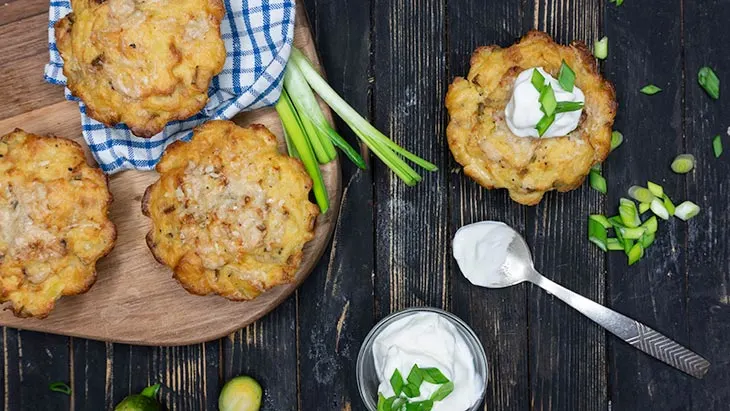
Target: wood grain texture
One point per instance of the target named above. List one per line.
(133, 293)
(567, 351)
(499, 317)
(708, 243)
(646, 47)
(335, 304)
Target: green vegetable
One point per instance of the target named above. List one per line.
(629, 214)
(651, 225)
(616, 221)
(630, 233)
(434, 376)
(298, 136)
(443, 391)
(709, 81)
(145, 401)
(636, 253)
(650, 90)
(548, 101)
(683, 163)
(644, 207)
(425, 405)
(597, 234)
(717, 146)
(566, 77)
(655, 189)
(242, 393)
(396, 381)
(647, 240)
(415, 377)
(544, 124)
(411, 388)
(567, 106)
(602, 220)
(641, 194)
(537, 80)
(616, 139)
(60, 386)
(669, 205)
(618, 2)
(600, 48)
(657, 207)
(598, 182)
(687, 211)
(614, 244)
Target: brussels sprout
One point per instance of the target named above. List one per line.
(141, 402)
(240, 394)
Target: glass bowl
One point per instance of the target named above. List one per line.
(367, 379)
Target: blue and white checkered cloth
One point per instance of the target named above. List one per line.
(258, 35)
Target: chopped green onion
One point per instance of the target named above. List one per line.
(396, 381)
(548, 101)
(616, 139)
(641, 194)
(717, 146)
(60, 386)
(613, 244)
(568, 106)
(151, 391)
(598, 182)
(618, 2)
(669, 205)
(683, 163)
(414, 376)
(651, 225)
(616, 221)
(601, 219)
(628, 245)
(600, 48)
(657, 207)
(544, 124)
(650, 90)
(632, 233)
(635, 254)
(597, 234)
(433, 375)
(647, 240)
(629, 214)
(644, 207)
(687, 210)
(443, 391)
(537, 80)
(709, 81)
(425, 405)
(566, 77)
(655, 189)
(293, 127)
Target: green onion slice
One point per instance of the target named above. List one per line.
(641, 194)
(151, 391)
(687, 211)
(634, 233)
(629, 214)
(644, 207)
(601, 219)
(650, 90)
(548, 101)
(60, 386)
(598, 182)
(616, 139)
(396, 381)
(443, 391)
(433, 375)
(657, 207)
(683, 163)
(669, 205)
(616, 222)
(566, 77)
(544, 124)
(647, 240)
(600, 48)
(717, 146)
(709, 81)
(655, 189)
(597, 234)
(651, 225)
(568, 106)
(425, 405)
(537, 80)
(613, 244)
(636, 253)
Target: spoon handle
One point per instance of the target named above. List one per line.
(633, 332)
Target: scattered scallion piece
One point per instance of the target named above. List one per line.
(651, 225)
(600, 48)
(647, 240)
(568, 106)
(636, 253)
(668, 204)
(614, 244)
(641, 194)
(537, 80)
(618, 2)
(548, 101)
(566, 77)
(601, 219)
(687, 210)
(598, 182)
(650, 90)
(683, 163)
(597, 234)
(717, 146)
(632, 233)
(616, 139)
(644, 207)
(629, 214)
(657, 207)
(655, 189)
(443, 391)
(616, 221)
(60, 386)
(544, 124)
(709, 81)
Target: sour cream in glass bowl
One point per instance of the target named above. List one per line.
(429, 338)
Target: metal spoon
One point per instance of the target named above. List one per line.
(519, 267)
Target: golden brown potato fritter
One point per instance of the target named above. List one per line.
(491, 154)
(53, 221)
(141, 62)
(230, 214)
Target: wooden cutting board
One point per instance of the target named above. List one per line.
(135, 299)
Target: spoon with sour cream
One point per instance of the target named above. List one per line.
(492, 254)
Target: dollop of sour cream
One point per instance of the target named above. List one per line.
(523, 109)
(428, 339)
(480, 249)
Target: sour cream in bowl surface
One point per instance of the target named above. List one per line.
(424, 339)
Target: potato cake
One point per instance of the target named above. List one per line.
(230, 214)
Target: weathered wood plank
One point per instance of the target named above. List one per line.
(335, 309)
(645, 47)
(499, 317)
(567, 351)
(14, 10)
(410, 84)
(708, 243)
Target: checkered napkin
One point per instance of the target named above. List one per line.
(258, 36)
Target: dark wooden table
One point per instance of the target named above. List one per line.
(393, 60)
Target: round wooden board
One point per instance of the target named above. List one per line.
(135, 299)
